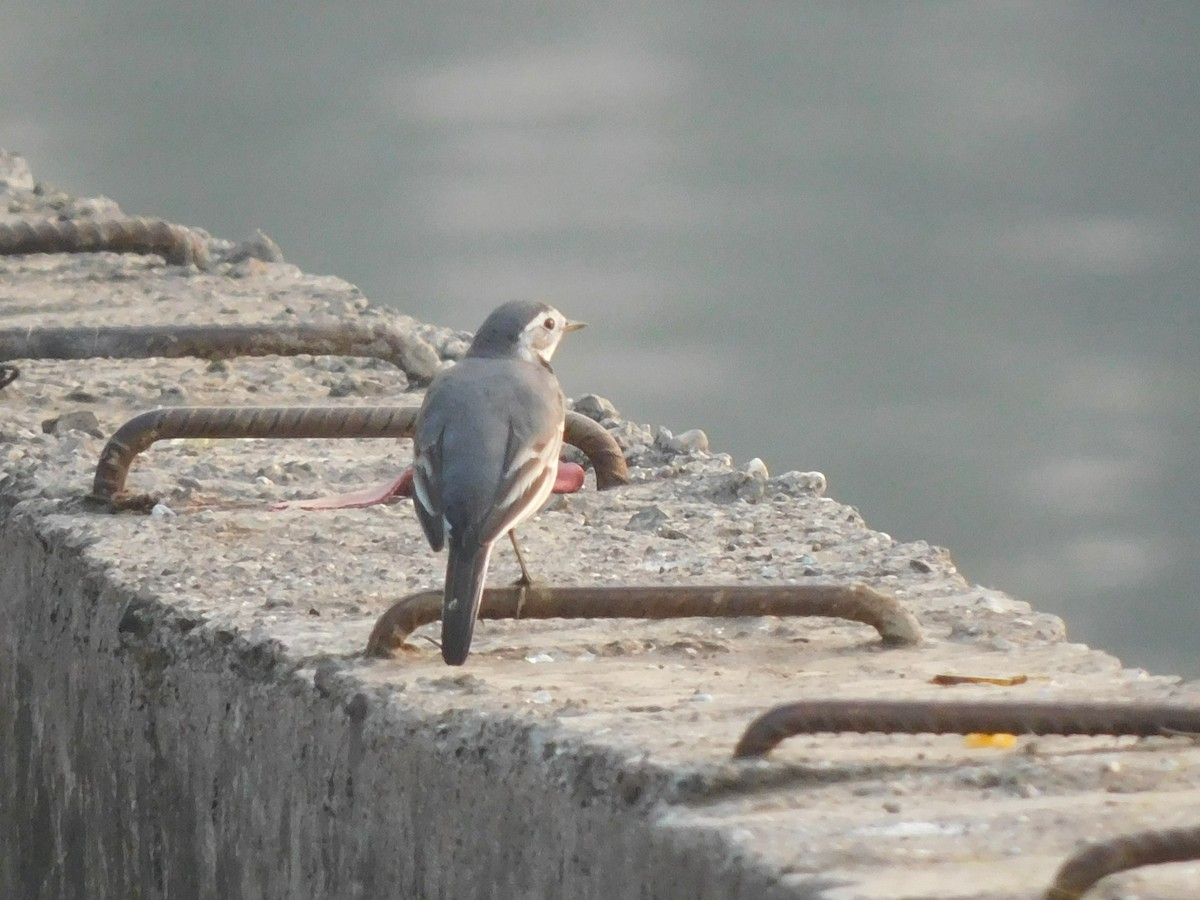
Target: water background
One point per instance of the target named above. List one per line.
(948, 254)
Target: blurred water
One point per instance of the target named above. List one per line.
(945, 253)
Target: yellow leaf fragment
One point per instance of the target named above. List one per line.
(981, 741)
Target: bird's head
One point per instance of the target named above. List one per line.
(522, 329)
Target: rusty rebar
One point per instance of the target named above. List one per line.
(416, 358)
(856, 602)
(140, 432)
(1129, 851)
(599, 447)
(178, 245)
(961, 717)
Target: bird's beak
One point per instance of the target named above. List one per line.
(574, 326)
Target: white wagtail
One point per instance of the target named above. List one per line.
(485, 452)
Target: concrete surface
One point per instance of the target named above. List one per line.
(188, 715)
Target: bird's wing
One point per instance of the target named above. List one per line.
(530, 467)
(427, 491)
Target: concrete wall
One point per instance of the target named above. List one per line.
(148, 758)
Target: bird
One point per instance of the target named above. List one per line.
(485, 452)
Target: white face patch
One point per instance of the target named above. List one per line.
(540, 337)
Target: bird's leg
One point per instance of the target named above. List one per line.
(526, 580)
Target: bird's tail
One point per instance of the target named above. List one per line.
(466, 570)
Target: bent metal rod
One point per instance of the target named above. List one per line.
(285, 422)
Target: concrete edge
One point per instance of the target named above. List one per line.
(233, 770)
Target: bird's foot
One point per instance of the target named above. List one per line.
(523, 584)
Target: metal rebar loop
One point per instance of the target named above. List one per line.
(1129, 851)
(140, 432)
(942, 717)
(856, 602)
(178, 245)
(375, 340)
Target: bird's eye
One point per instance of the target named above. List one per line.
(548, 324)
